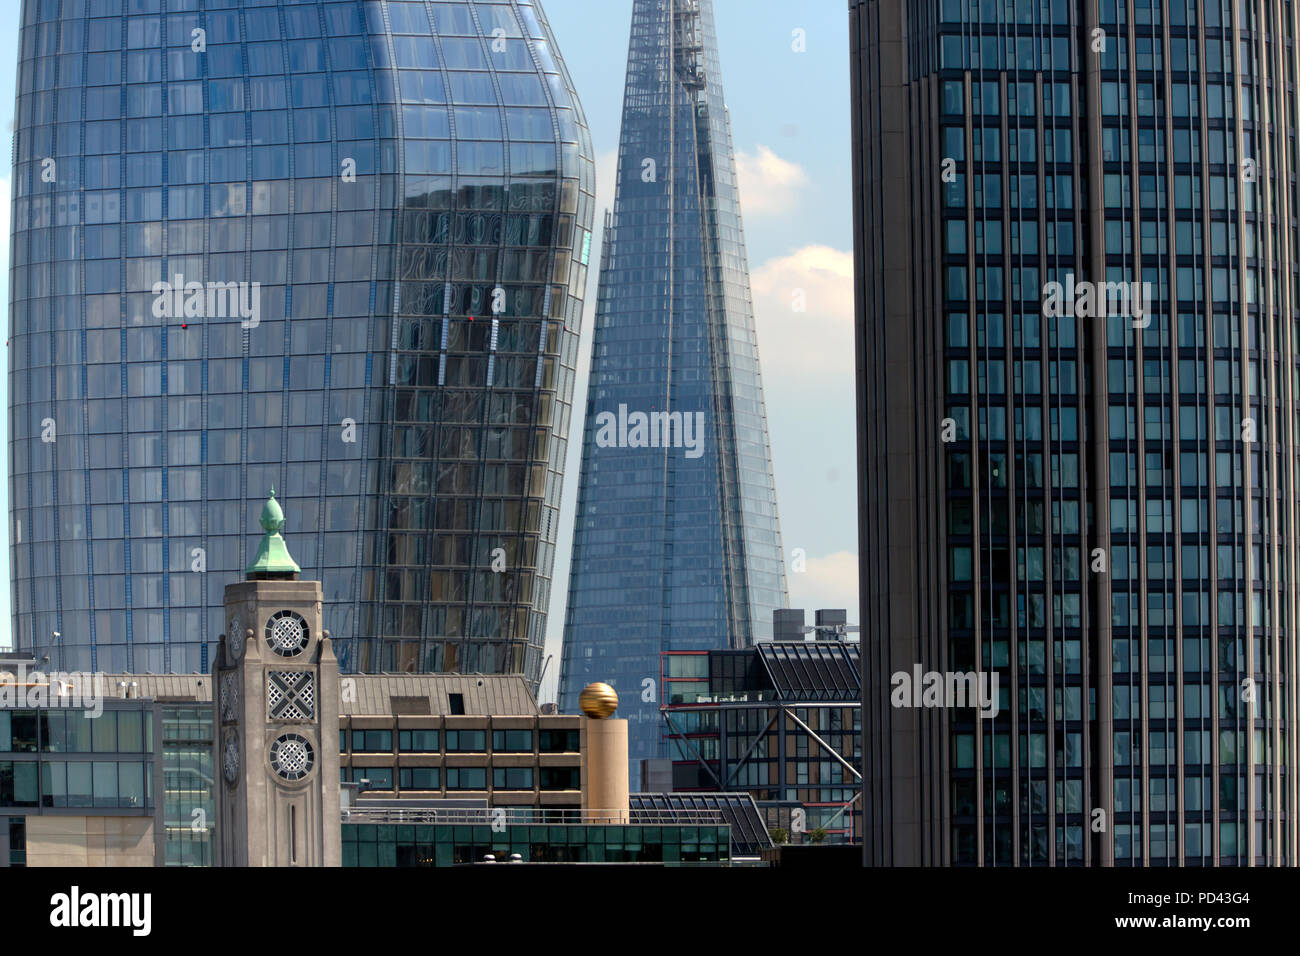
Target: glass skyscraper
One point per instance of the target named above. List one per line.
(337, 248)
(1096, 505)
(677, 545)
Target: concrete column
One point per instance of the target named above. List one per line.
(605, 771)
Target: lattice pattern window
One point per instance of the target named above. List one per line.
(229, 699)
(290, 695)
(286, 633)
(292, 756)
(230, 759)
(235, 639)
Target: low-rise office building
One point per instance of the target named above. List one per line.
(781, 720)
(117, 777)
(465, 737)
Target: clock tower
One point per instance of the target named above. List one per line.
(277, 717)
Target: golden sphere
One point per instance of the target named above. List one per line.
(598, 701)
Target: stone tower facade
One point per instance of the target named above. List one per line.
(277, 707)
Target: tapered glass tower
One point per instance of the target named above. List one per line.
(677, 543)
(1077, 317)
(335, 247)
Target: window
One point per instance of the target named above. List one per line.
(963, 746)
(513, 778)
(417, 741)
(54, 732)
(560, 778)
(17, 841)
(18, 731)
(373, 778)
(419, 778)
(466, 741)
(131, 784)
(17, 784)
(456, 703)
(558, 741)
(466, 778)
(78, 792)
(372, 741)
(105, 784)
(79, 726)
(512, 741)
(130, 732)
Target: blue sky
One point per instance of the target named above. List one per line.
(790, 124)
(11, 16)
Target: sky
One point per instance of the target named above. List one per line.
(785, 72)
(11, 19)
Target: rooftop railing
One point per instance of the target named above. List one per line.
(532, 816)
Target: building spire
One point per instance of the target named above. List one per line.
(273, 559)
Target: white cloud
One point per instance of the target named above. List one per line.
(828, 582)
(768, 184)
(815, 343)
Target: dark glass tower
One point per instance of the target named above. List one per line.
(1100, 509)
(409, 185)
(677, 544)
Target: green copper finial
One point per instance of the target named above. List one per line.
(272, 554)
(272, 516)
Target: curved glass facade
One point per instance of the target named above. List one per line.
(386, 208)
(677, 544)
